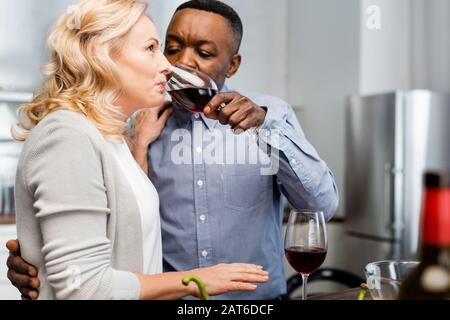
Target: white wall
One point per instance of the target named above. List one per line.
(161, 12)
(385, 54)
(24, 27)
(323, 70)
(431, 45)
(438, 42)
(264, 47)
(412, 49)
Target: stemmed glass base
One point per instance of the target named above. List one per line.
(304, 287)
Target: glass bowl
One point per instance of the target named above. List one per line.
(384, 278)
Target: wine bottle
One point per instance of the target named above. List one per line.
(431, 279)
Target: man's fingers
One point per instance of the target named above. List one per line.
(32, 271)
(35, 283)
(239, 116)
(244, 125)
(247, 123)
(17, 264)
(237, 112)
(19, 280)
(13, 247)
(217, 102)
(238, 103)
(28, 294)
(225, 113)
(221, 97)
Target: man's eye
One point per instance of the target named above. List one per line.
(204, 54)
(151, 48)
(172, 51)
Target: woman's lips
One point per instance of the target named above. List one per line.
(161, 85)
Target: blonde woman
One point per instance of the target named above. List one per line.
(87, 215)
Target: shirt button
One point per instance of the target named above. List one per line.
(205, 253)
(200, 183)
(196, 115)
(294, 162)
(202, 218)
(267, 133)
(199, 150)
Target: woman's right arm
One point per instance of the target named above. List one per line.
(218, 279)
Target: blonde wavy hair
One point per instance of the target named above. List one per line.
(81, 74)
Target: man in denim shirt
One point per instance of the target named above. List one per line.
(220, 181)
(215, 208)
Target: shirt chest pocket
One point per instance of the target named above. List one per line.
(245, 188)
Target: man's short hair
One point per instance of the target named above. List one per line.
(222, 9)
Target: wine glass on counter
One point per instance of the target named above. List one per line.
(190, 88)
(305, 243)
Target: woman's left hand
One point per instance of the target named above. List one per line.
(148, 125)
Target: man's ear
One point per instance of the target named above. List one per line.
(235, 63)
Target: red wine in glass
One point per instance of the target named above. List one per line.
(189, 88)
(305, 243)
(192, 99)
(305, 260)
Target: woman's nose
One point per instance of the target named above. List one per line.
(165, 65)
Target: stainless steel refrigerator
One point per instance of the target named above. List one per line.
(392, 139)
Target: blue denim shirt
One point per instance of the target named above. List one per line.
(217, 206)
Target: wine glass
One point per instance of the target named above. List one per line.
(190, 88)
(305, 243)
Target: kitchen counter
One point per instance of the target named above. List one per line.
(7, 219)
(350, 294)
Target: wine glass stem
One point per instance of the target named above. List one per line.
(305, 283)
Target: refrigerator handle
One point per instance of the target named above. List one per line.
(393, 221)
(387, 203)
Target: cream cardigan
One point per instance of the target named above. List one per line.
(77, 219)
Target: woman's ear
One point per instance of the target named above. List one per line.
(235, 63)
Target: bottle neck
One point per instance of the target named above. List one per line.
(436, 217)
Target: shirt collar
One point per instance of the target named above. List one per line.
(184, 117)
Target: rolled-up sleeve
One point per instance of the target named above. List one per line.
(64, 174)
(304, 177)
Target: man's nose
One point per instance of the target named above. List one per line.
(186, 58)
